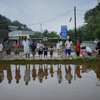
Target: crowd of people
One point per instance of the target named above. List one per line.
(43, 49)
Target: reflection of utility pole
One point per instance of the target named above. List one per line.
(75, 22)
(41, 29)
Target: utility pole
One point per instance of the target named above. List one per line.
(75, 22)
(41, 29)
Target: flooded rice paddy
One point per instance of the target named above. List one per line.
(49, 82)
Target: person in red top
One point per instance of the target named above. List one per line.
(78, 48)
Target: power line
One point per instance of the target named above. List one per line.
(49, 19)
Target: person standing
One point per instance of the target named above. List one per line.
(1, 47)
(26, 44)
(8, 49)
(59, 47)
(45, 49)
(16, 45)
(40, 47)
(78, 48)
(33, 50)
(68, 46)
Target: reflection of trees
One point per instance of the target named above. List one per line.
(34, 75)
(9, 74)
(1, 74)
(17, 72)
(46, 71)
(40, 73)
(27, 75)
(68, 75)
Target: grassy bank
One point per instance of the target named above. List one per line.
(51, 61)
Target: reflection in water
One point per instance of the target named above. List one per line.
(59, 73)
(68, 75)
(9, 74)
(42, 72)
(34, 75)
(84, 82)
(51, 70)
(27, 74)
(1, 74)
(46, 71)
(17, 72)
(77, 71)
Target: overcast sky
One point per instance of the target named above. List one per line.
(50, 13)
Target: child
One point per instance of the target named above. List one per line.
(51, 52)
(83, 52)
(8, 49)
(33, 50)
(1, 47)
(97, 53)
(45, 49)
(88, 50)
(16, 45)
(59, 47)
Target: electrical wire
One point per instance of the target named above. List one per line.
(49, 19)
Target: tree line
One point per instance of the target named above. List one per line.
(21, 26)
(91, 28)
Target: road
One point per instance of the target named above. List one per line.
(91, 45)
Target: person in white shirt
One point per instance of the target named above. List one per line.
(40, 47)
(1, 47)
(68, 46)
(59, 47)
(26, 44)
(88, 50)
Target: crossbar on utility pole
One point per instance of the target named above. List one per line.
(75, 22)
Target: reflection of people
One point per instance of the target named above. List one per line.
(34, 75)
(26, 43)
(9, 74)
(17, 72)
(51, 70)
(83, 69)
(1, 74)
(77, 71)
(46, 71)
(59, 74)
(97, 71)
(68, 75)
(27, 75)
(40, 74)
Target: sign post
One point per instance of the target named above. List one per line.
(64, 32)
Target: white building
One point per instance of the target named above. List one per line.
(21, 34)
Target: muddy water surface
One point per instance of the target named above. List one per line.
(49, 82)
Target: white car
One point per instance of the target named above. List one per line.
(96, 41)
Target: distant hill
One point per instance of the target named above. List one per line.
(15, 23)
